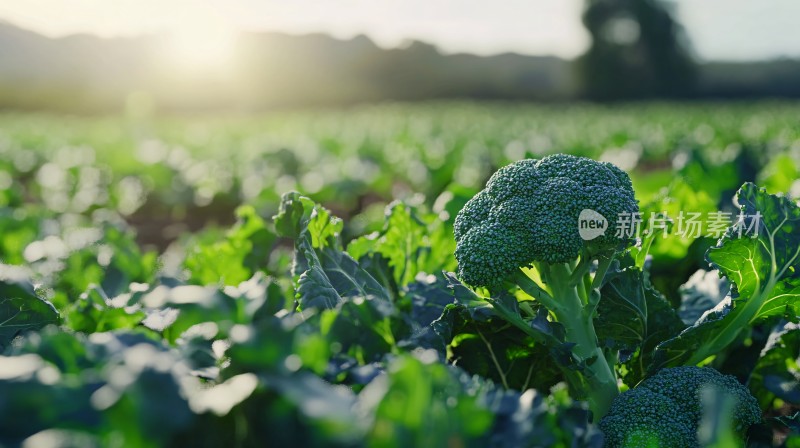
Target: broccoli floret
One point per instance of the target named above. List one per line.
(646, 419)
(684, 385)
(529, 213)
(528, 217)
(665, 410)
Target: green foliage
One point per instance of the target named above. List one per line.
(21, 309)
(493, 338)
(414, 413)
(780, 174)
(233, 260)
(113, 261)
(411, 243)
(633, 318)
(325, 274)
(132, 325)
(761, 258)
(776, 377)
(95, 312)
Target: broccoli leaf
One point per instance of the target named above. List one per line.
(20, 308)
(777, 373)
(491, 337)
(411, 242)
(760, 255)
(662, 323)
(676, 202)
(326, 275)
(703, 291)
(621, 321)
(633, 317)
(361, 328)
(244, 251)
(763, 435)
(94, 311)
(427, 297)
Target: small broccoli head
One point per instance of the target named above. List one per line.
(641, 418)
(529, 212)
(684, 386)
(665, 410)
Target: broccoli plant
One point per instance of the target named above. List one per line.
(666, 409)
(760, 255)
(523, 229)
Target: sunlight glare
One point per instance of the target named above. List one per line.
(202, 46)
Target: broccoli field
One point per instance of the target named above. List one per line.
(629, 277)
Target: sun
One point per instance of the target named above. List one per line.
(201, 47)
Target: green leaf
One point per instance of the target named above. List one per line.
(633, 317)
(500, 352)
(428, 296)
(124, 263)
(490, 337)
(260, 349)
(95, 312)
(325, 274)
(122, 386)
(663, 323)
(333, 276)
(316, 399)
(30, 405)
(173, 310)
(621, 321)
(761, 258)
(378, 267)
(781, 174)
(770, 249)
(21, 309)
(244, 251)
(420, 404)
(777, 373)
(360, 328)
(677, 202)
(299, 216)
(702, 292)
(18, 228)
(411, 243)
(66, 351)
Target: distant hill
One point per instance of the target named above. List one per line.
(269, 69)
(86, 73)
(773, 79)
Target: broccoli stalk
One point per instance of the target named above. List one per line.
(573, 305)
(528, 217)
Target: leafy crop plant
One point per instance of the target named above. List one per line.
(523, 229)
(588, 302)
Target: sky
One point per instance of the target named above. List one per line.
(718, 29)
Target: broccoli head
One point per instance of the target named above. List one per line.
(647, 419)
(665, 410)
(529, 212)
(528, 216)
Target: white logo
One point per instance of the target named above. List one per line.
(591, 224)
